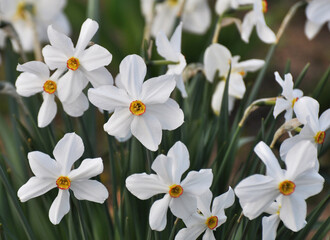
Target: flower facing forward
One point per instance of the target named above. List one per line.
(140, 108)
(50, 173)
(35, 79)
(314, 130)
(291, 96)
(82, 65)
(171, 51)
(317, 13)
(207, 221)
(290, 187)
(180, 196)
(217, 59)
(256, 18)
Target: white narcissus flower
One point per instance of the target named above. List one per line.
(171, 51)
(290, 187)
(256, 18)
(50, 173)
(42, 12)
(217, 58)
(196, 16)
(140, 108)
(207, 221)
(314, 130)
(147, 8)
(82, 64)
(180, 195)
(222, 6)
(290, 95)
(317, 13)
(36, 79)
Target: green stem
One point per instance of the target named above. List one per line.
(161, 63)
(173, 228)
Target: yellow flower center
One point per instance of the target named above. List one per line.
(22, 10)
(294, 101)
(172, 3)
(175, 191)
(319, 137)
(50, 86)
(242, 72)
(137, 108)
(63, 182)
(264, 6)
(212, 222)
(73, 63)
(287, 187)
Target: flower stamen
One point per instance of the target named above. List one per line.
(50, 86)
(264, 6)
(137, 108)
(212, 222)
(63, 182)
(294, 101)
(73, 63)
(175, 191)
(172, 3)
(287, 187)
(320, 137)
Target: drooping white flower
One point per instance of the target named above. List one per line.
(290, 95)
(36, 79)
(42, 12)
(196, 16)
(140, 108)
(290, 187)
(82, 64)
(180, 195)
(217, 58)
(171, 51)
(256, 18)
(317, 13)
(207, 221)
(314, 130)
(222, 6)
(50, 173)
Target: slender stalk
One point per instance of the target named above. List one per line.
(217, 30)
(173, 228)
(36, 42)
(161, 63)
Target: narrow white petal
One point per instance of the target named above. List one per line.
(168, 114)
(60, 41)
(278, 79)
(87, 31)
(77, 107)
(197, 182)
(70, 86)
(223, 201)
(236, 86)
(165, 49)
(280, 106)
(38, 68)
(88, 168)
(60, 206)
(180, 85)
(144, 186)
(119, 124)
(269, 227)
(217, 97)
(176, 38)
(28, 84)
(312, 29)
(35, 187)
(95, 57)
(180, 160)
(90, 190)
(204, 203)
(293, 212)
(158, 212)
(324, 120)
(192, 232)
(184, 206)
(148, 130)
(307, 107)
(68, 150)
(208, 235)
(288, 87)
(248, 23)
(47, 110)
(42, 165)
(250, 65)
(54, 57)
(265, 33)
(99, 77)
(164, 167)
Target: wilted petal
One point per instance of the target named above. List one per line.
(60, 206)
(90, 190)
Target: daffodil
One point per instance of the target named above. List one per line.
(140, 108)
(256, 18)
(22, 13)
(317, 13)
(290, 187)
(51, 173)
(290, 96)
(82, 65)
(196, 16)
(314, 130)
(180, 195)
(217, 59)
(171, 51)
(36, 79)
(207, 221)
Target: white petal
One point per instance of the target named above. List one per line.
(60, 206)
(278, 79)
(168, 114)
(297, 93)
(77, 107)
(176, 38)
(236, 86)
(164, 167)
(324, 120)
(42, 165)
(265, 33)
(293, 212)
(197, 182)
(165, 49)
(28, 84)
(204, 203)
(70, 86)
(88, 168)
(90, 190)
(318, 11)
(269, 227)
(132, 71)
(192, 18)
(217, 97)
(54, 57)
(223, 201)
(148, 130)
(99, 77)
(158, 212)
(248, 23)
(68, 150)
(184, 206)
(221, 6)
(164, 19)
(108, 97)
(307, 107)
(311, 29)
(308, 184)
(34, 188)
(287, 144)
(144, 186)
(95, 57)
(60, 41)
(119, 124)
(180, 160)
(250, 65)
(208, 235)
(180, 85)
(38, 68)
(288, 87)
(191, 232)
(47, 110)
(88, 29)
(280, 106)
(158, 89)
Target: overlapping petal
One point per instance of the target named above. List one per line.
(119, 124)
(95, 57)
(198, 182)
